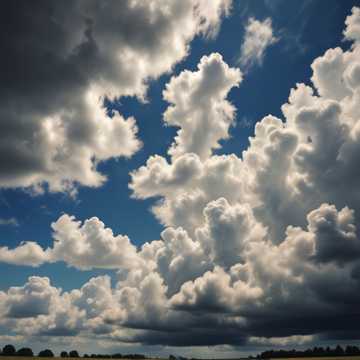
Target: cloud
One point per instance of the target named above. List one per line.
(258, 37)
(54, 127)
(201, 111)
(295, 340)
(32, 299)
(90, 245)
(258, 249)
(9, 222)
(352, 30)
(84, 246)
(191, 151)
(27, 253)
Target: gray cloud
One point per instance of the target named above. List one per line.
(62, 60)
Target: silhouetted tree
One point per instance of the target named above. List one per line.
(46, 353)
(73, 354)
(64, 354)
(25, 352)
(8, 350)
(352, 350)
(117, 356)
(339, 350)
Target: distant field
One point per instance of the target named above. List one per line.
(57, 358)
(39, 358)
(322, 358)
(45, 358)
(304, 358)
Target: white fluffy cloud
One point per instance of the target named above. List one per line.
(90, 245)
(352, 30)
(199, 108)
(249, 242)
(258, 37)
(27, 253)
(84, 246)
(54, 128)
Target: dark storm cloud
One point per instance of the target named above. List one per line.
(193, 337)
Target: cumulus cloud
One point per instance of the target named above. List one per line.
(84, 246)
(198, 106)
(28, 253)
(32, 299)
(262, 248)
(90, 245)
(352, 30)
(66, 59)
(258, 37)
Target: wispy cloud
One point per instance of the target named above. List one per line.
(9, 222)
(259, 35)
(245, 123)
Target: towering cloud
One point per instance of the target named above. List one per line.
(199, 108)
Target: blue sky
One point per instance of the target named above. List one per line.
(303, 31)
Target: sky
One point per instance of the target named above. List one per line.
(179, 177)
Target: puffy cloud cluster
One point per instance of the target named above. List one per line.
(40, 308)
(27, 253)
(258, 37)
(66, 58)
(259, 249)
(33, 299)
(90, 245)
(84, 246)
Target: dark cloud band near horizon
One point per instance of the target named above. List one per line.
(259, 247)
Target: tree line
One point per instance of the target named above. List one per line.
(350, 350)
(9, 350)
